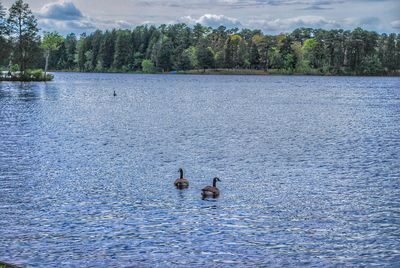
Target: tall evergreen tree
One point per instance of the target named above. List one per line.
(390, 55)
(165, 56)
(123, 50)
(22, 29)
(254, 56)
(70, 44)
(4, 44)
(2, 20)
(107, 50)
(204, 55)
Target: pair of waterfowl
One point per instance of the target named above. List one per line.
(182, 183)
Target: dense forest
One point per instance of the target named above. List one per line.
(181, 47)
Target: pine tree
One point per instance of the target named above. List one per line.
(204, 56)
(107, 50)
(4, 44)
(70, 44)
(165, 56)
(123, 51)
(2, 20)
(22, 29)
(254, 56)
(228, 53)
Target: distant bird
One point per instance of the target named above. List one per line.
(211, 190)
(181, 183)
(115, 94)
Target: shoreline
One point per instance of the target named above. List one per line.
(26, 79)
(8, 265)
(234, 72)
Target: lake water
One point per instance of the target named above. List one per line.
(309, 169)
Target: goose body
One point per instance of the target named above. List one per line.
(211, 190)
(181, 182)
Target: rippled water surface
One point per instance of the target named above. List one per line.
(309, 169)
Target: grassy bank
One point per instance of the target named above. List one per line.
(241, 72)
(278, 72)
(7, 265)
(27, 79)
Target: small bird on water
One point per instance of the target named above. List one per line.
(181, 182)
(115, 94)
(211, 190)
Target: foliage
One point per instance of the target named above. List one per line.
(22, 29)
(204, 55)
(35, 73)
(148, 66)
(14, 68)
(51, 41)
(180, 47)
(2, 20)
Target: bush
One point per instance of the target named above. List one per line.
(148, 66)
(36, 73)
(14, 68)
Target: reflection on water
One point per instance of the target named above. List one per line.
(309, 167)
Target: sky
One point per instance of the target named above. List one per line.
(271, 16)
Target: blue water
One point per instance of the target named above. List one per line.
(309, 169)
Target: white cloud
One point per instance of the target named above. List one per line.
(61, 10)
(395, 24)
(288, 24)
(65, 17)
(213, 20)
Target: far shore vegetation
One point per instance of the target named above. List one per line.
(181, 49)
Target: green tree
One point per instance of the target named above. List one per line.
(148, 66)
(192, 54)
(289, 62)
(371, 65)
(2, 20)
(95, 45)
(4, 44)
(123, 50)
(229, 53)
(80, 58)
(204, 55)
(308, 47)
(254, 56)
(70, 44)
(184, 62)
(398, 52)
(137, 60)
(298, 52)
(165, 56)
(275, 58)
(199, 31)
(263, 45)
(390, 53)
(107, 51)
(22, 29)
(51, 42)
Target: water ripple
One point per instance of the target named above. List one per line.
(309, 170)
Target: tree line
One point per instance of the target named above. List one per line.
(181, 47)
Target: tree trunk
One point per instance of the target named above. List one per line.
(47, 63)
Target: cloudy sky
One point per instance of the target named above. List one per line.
(272, 16)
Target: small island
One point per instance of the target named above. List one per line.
(21, 45)
(28, 76)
